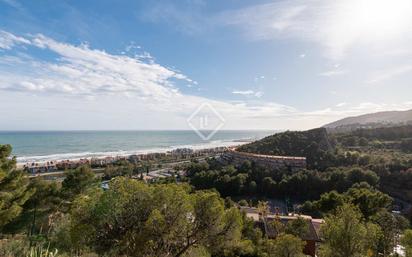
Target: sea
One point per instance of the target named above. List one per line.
(42, 146)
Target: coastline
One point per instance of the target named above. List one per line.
(43, 146)
(78, 157)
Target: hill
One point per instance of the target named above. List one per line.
(371, 120)
(313, 144)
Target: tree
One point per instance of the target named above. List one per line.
(369, 200)
(136, 219)
(406, 241)
(14, 187)
(390, 228)
(329, 201)
(358, 175)
(345, 235)
(46, 198)
(298, 227)
(286, 245)
(77, 180)
(252, 187)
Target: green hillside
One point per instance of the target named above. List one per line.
(313, 144)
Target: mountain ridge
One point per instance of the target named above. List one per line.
(371, 120)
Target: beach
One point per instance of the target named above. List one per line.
(101, 159)
(46, 146)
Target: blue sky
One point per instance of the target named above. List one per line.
(293, 64)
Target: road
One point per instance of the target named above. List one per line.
(167, 166)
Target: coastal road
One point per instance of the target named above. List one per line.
(167, 166)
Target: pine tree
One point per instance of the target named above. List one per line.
(14, 191)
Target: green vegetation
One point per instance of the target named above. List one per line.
(314, 144)
(14, 188)
(287, 246)
(406, 242)
(383, 151)
(252, 180)
(347, 182)
(78, 218)
(346, 235)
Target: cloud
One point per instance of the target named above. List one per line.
(332, 73)
(248, 93)
(8, 40)
(259, 94)
(337, 26)
(91, 78)
(388, 74)
(79, 70)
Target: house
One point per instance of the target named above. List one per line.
(312, 238)
(96, 162)
(66, 164)
(42, 167)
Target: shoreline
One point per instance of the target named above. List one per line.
(46, 159)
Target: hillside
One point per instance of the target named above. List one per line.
(313, 144)
(371, 120)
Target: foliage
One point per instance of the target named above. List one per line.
(249, 179)
(132, 218)
(346, 235)
(313, 144)
(390, 226)
(77, 181)
(298, 227)
(286, 246)
(13, 247)
(367, 199)
(406, 242)
(14, 188)
(20, 247)
(136, 219)
(41, 251)
(385, 133)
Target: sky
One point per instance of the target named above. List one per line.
(292, 64)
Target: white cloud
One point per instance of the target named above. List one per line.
(332, 73)
(137, 86)
(335, 25)
(80, 70)
(8, 40)
(245, 92)
(259, 94)
(248, 93)
(387, 74)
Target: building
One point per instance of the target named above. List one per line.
(34, 168)
(312, 238)
(268, 161)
